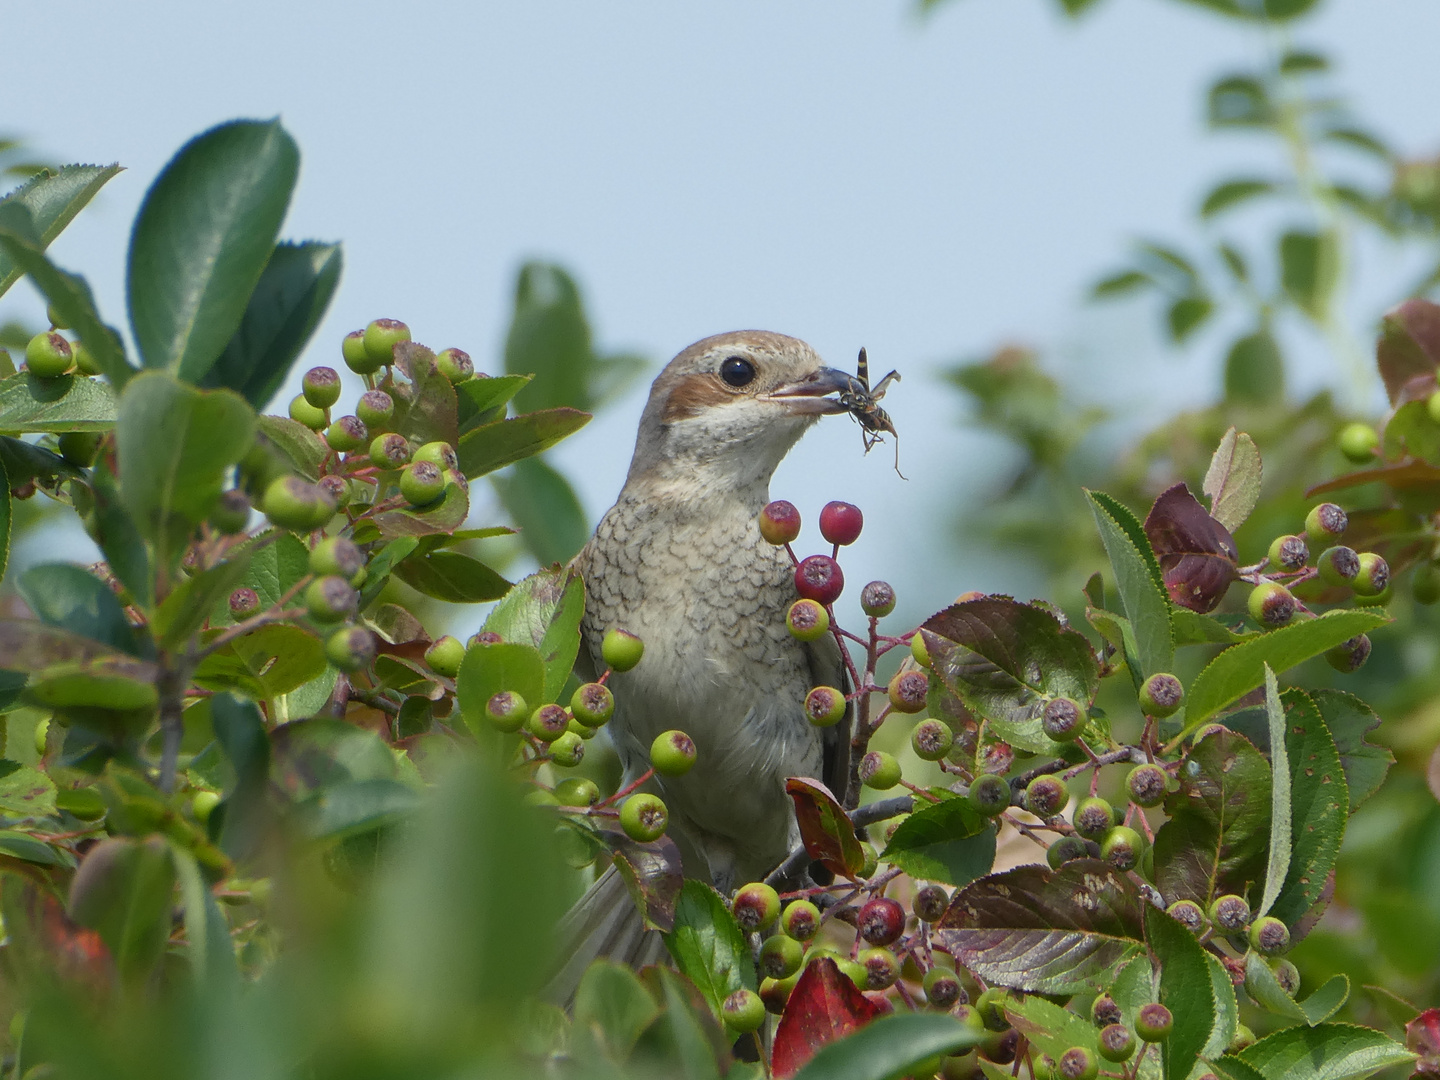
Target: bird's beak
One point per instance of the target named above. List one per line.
(807, 396)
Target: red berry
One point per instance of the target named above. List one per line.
(881, 921)
(779, 522)
(841, 522)
(819, 578)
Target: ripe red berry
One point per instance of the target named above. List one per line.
(818, 578)
(841, 522)
(779, 522)
(881, 921)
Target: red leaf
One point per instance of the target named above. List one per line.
(1409, 350)
(825, 828)
(1197, 554)
(824, 1006)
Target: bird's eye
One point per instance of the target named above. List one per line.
(737, 371)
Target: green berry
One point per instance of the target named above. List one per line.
(337, 555)
(991, 1007)
(331, 598)
(568, 750)
(321, 387)
(1432, 406)
(548, 723)
(672, 753)
(1077, 1063)
(879, 770)
(990, 794)
(1064, 719)
(918, 651)
(1243, 1037)
(1121, 847)
(1116, 1042)
(621, 650)
(1046, 796)
(1338, 565)
(1066, 849)
(422, 482)
(375, 409)
(80, 447)
(455, 365)
(779, 522)
(807, 620)
(507, 711)
(85, 361)
(391, 451)
(825, 706)
(577, 728)
(775, 993)
(577, 791)
(1230, 913)
(1350, 654)
(444, 656)
(931, 740)
(1093, 818)
(381, 337)
(350, 648)
(540, 797)
(930, 903)
(1153, 1022)
(942, 988)
(1325, 522)
(1188, 914)
(352, 348)
(877, 599)
(908, 691)
(780, 957)
(203, 804)
(293, 503)
(881, 967)
(1358, 442)
(801, 920)
(1269, 936)
(1373, 577)
(743, 1011)
(1271, 604)
(231, 512)
(48, 355)
(593, 704)
(1289, 552)
(441, 454)
(1161, 695)
(347, 434)
(755, 906)
(969, 1017)
(1287, 975)
(854, 971)
(1147, 784)
(302, 412)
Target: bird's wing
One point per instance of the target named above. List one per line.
(827, 668)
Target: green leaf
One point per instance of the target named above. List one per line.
(1140, 584)
(175, 444)
(207, 934)
(276, 561)
(1349, 719)
(1411, 431)
(1185, 990)
(503, 442)
(947, 841)
(1320, 802)
(286, 306)
(445, 515)
(185, 610)
(1265, 989)
(265, 663)
(5, 520)
(1192, 628)
(1231, 193)
(544, 610)
(490, 668)
(1170, 262)
(65, 403)
(708, 946)
(304, 449)
(1263, 11)
(1309, 270)
(1227, 1009)
(381, 565)
(1239, 100)
(1363, 141)
(349, 808)
(1241, 668)
(53, 200)
(124, 890)
(119, 540)
(25, 792)
(545, 508)
(890, 1046)
(23, 846)
(1279, 855)
(1255, 370)
(613, 1008)
(1049, 1028)
(1232, 1068)
(452, 577)
(482, 399)
(1119, 284)
(71, 598)
(1188, 314)
(1233, 479)
(202, 239)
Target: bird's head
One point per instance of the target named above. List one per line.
(726, 410)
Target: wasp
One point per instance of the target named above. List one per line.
(863, 403)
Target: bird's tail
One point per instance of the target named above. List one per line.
(604, 923)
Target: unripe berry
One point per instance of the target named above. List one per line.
(930, 903)
(1350, 654)
(1373, 577)
(85, 361)
(1093, 818)
(293, 503)
(1153, 1022)
(801, 920)
(1046, 796)
(577, 791)
(548, 723)
(203, 804)
(1121, 847)
(593, 704)
(1271, 604)
(872, 860)
(779, 522)
(1104, 1011)
(942, 988)
(879, 770)
(1146, 785)
(321, 387)
(755, 906)
(877, 599)
(672, 753)
(1077, 1063)
(1358, 442)
(1426, 583)
(840, 523)
(643, 817)
(991, 1007)
(825, 706)
(1230, 913)
(743, 1011)
(1338, 565)
(1188, 914)
(444, 656)
(331, 598)
(577, 728)
(1269, 936)
(484, 637)
(1161, 695)
(776, 992)
(48, 355)
(244, 603)
(1243, 1037)
(302, 412)
(338, 488)
(391, 451)
(350, 648)
(908, 691)
(1287, 975)
(231, 512)
(381, 337)
(337, 555)
(422, 482)
(931, 740)
(818, 578)
(621, 649)
(1066, 849)
(807, 620)
(969, 1016)
(80, 447)
(881, 968)
(1064, 719)
(1289, 552)
(990, 794)
(1325, 522)
(780, 957)
(507, 711)
(375, 409)
(455, 365)
(352, 349)
(347, 434)
(568, 750)
(881, 921)
(441, 454)
(854, 971)
(1117, 1043)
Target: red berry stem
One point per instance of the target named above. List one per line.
(628, 789)
(918, 790)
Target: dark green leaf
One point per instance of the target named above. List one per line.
(276, 563)
(25, 792)
(481, 400)
(890, 1046)
(1320, 803)
(651, 872)
(1309, 270)
(1233, 479)
(1263, 11)
(304, 449)
(1302, 62)
(207, 934)
(202, 239)
(53, 200)
(549, 338)
(1265, 990)
(946, 841)
(381, 564)
(71, 598)
(240, 731)
(1240, 101)
(1255, 370)
(452, 577)
(1325, 1052)
(24, 461)
(1278, 865)
(1140, 584)
(545, 508)
(185, 610)
(613, 1008)
(23, 846)
(1234, 262)
(119, 540)
(1186, 315)
(265, 663)
(1349, 720)
(1119, 284)
(1232, 1068)
(1231, 193)
(124, 889)
(65, 403)
(544, 610)
(1184, 989)
(503, 442)
(708, 946)
(489, 669)
(5, 520)
(313, 756)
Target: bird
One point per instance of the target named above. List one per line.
(679, 561)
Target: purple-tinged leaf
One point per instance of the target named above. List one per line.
(824, 1006)
(825, 829)
(651, 872)
(426, 408)
(1409, 350)
(1197, 554)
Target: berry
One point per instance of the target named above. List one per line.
(1077, 1063)
(507, 711)
(321, 387)
(244, 603)
(1153, 1022)
(1287, 975)
(818, 578)
(991, 1007)
(1066, 849)
(1358, 442)
(577, 728)
(780, 957)
(381, 337)
(390, 452)
(879, 770)
(872, 860)
(592, 704)
(455, 365)
(331, 598)
(881, 921)
(918, 651)
(776, 992)
(930, 903)
(1426, 583)
(1338, 565)
(881, 968)
(840, 523)
(970, 1017)
(1243, 1037)
(484, 637)
(1269, 936)
(644, 817)
(1046, 796)
(908, 691)
(85, 361)
(1188, 914)
(854, 971)
(990, 794)
(577, 791)
(203, 805)
(1104, 1011)
(1161, 695)
(877, 599)
(80, 447)
(942, 988)
(1289, 552)
(375, 409)
(1121, 847)
(779, 522)
(807, 620)
(337, 555)
(1271, 604)
(1230, 913)
(1063, 719)
(743, 1011)
(441, 454)
(801, 920)
(1325, 522)
(48, 355)
(231, 512)
(347, 434)
(352, 349)
(1146, 785)
(1350, 654)
(1116, 1042)
(293, 503)
(931, 740)
(621, 649)
(1093, 818)
(825, 706)
(568, 750)
(548, 723)
(672, 753)
(444, 656)
(302, 412)
(338, 488)
(350, 648)
(422, 482)
(1373, 577)
(755, 906)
